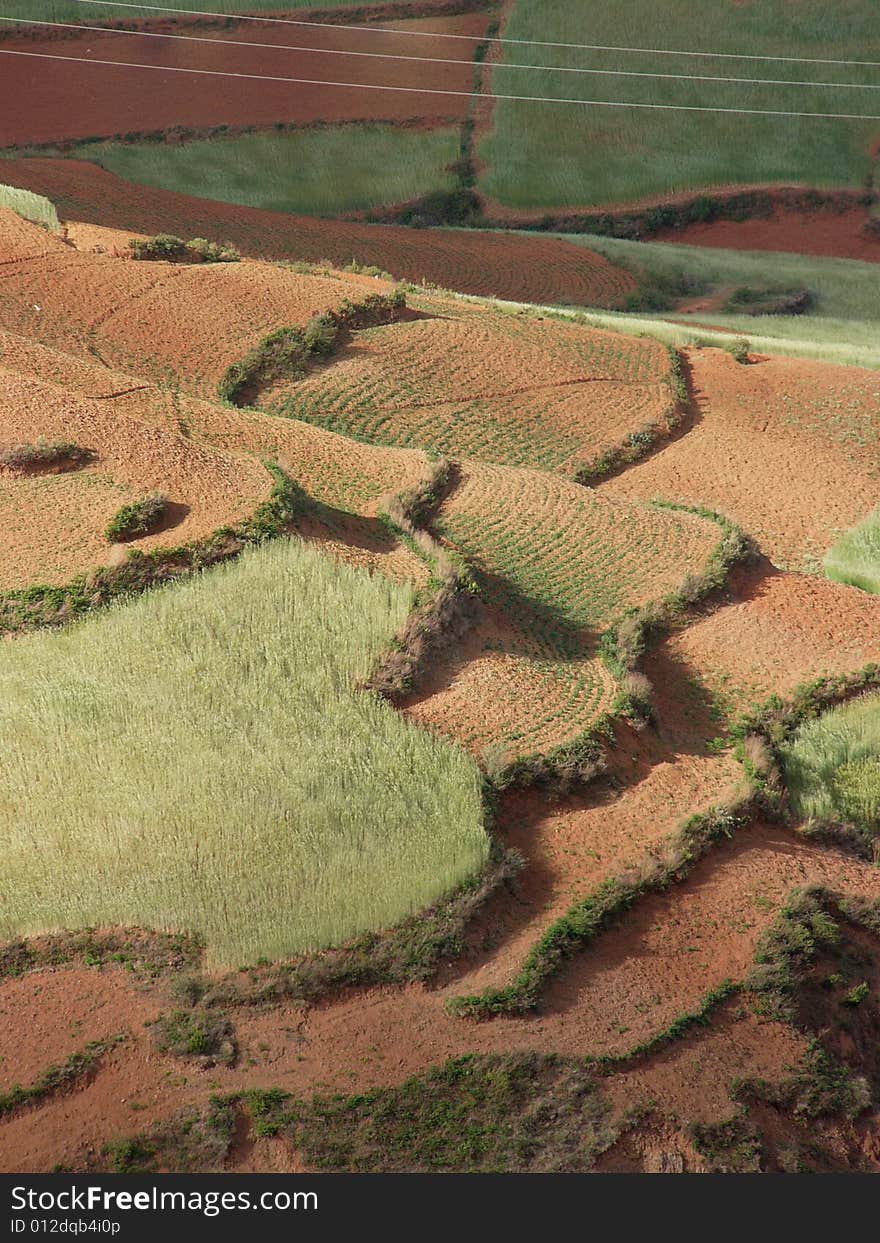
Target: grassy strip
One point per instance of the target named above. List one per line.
(639, 444)
(586, 920)
(144, 953)
(30, 206)
(30, 608)
(58, 1078)
(288, 351)
(855, 558)
(501, 1113)
(763, 734)
(449, 610)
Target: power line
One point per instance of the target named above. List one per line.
(580, 47)
(438, 60)
(425, 90)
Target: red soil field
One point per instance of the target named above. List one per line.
(787, 448)
(778, 631)
(504, 265)
(35, 95)
(825, 232)
(99, 304)
(638, 977)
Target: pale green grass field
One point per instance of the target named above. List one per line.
(554, 155)
(855, 558)
(31, 206)
(311, 172)
(198, 760)
(846, 312)
(832, 765)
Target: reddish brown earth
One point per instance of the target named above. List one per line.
(830, 233)
(661, 961)
(54, 523)
(786, 448)
(35, 94)
(778, 630)
(512, 266)
(671, 948)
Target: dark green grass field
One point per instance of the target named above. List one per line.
(542, 155)
(313, 172)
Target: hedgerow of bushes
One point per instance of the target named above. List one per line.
(287, 352)
(165, 246)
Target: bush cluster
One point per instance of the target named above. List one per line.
(43, 453)
(137, 518)
(175, 250)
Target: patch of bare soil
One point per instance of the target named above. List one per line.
(787, 448)
(36, 108)
(778, 631)
(55, 523)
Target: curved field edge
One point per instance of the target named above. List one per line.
(855, 558)
(518, 1111)
(148, 721)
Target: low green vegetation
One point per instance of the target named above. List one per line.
(199, 250)
(519, 1112)
(199, 760)
(31, 206)
(286, 353)
(137, 518)
(832, 765)
(855, 557)
(544, 155)
(43, 454)
(845, 308)
(320, 171)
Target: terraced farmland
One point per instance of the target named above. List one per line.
(520, 390)
(557, 565)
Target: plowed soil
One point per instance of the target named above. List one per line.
(200, 317)
(504, 265)
(789, 449)
(35, 95)
(778, 631)
(834, 234)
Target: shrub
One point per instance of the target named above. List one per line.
(43, 453)
(213, 252)
(170, 248)
(162, 246)
(138, 518)
(197, 1035)
(740, 350)
(764, 301)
